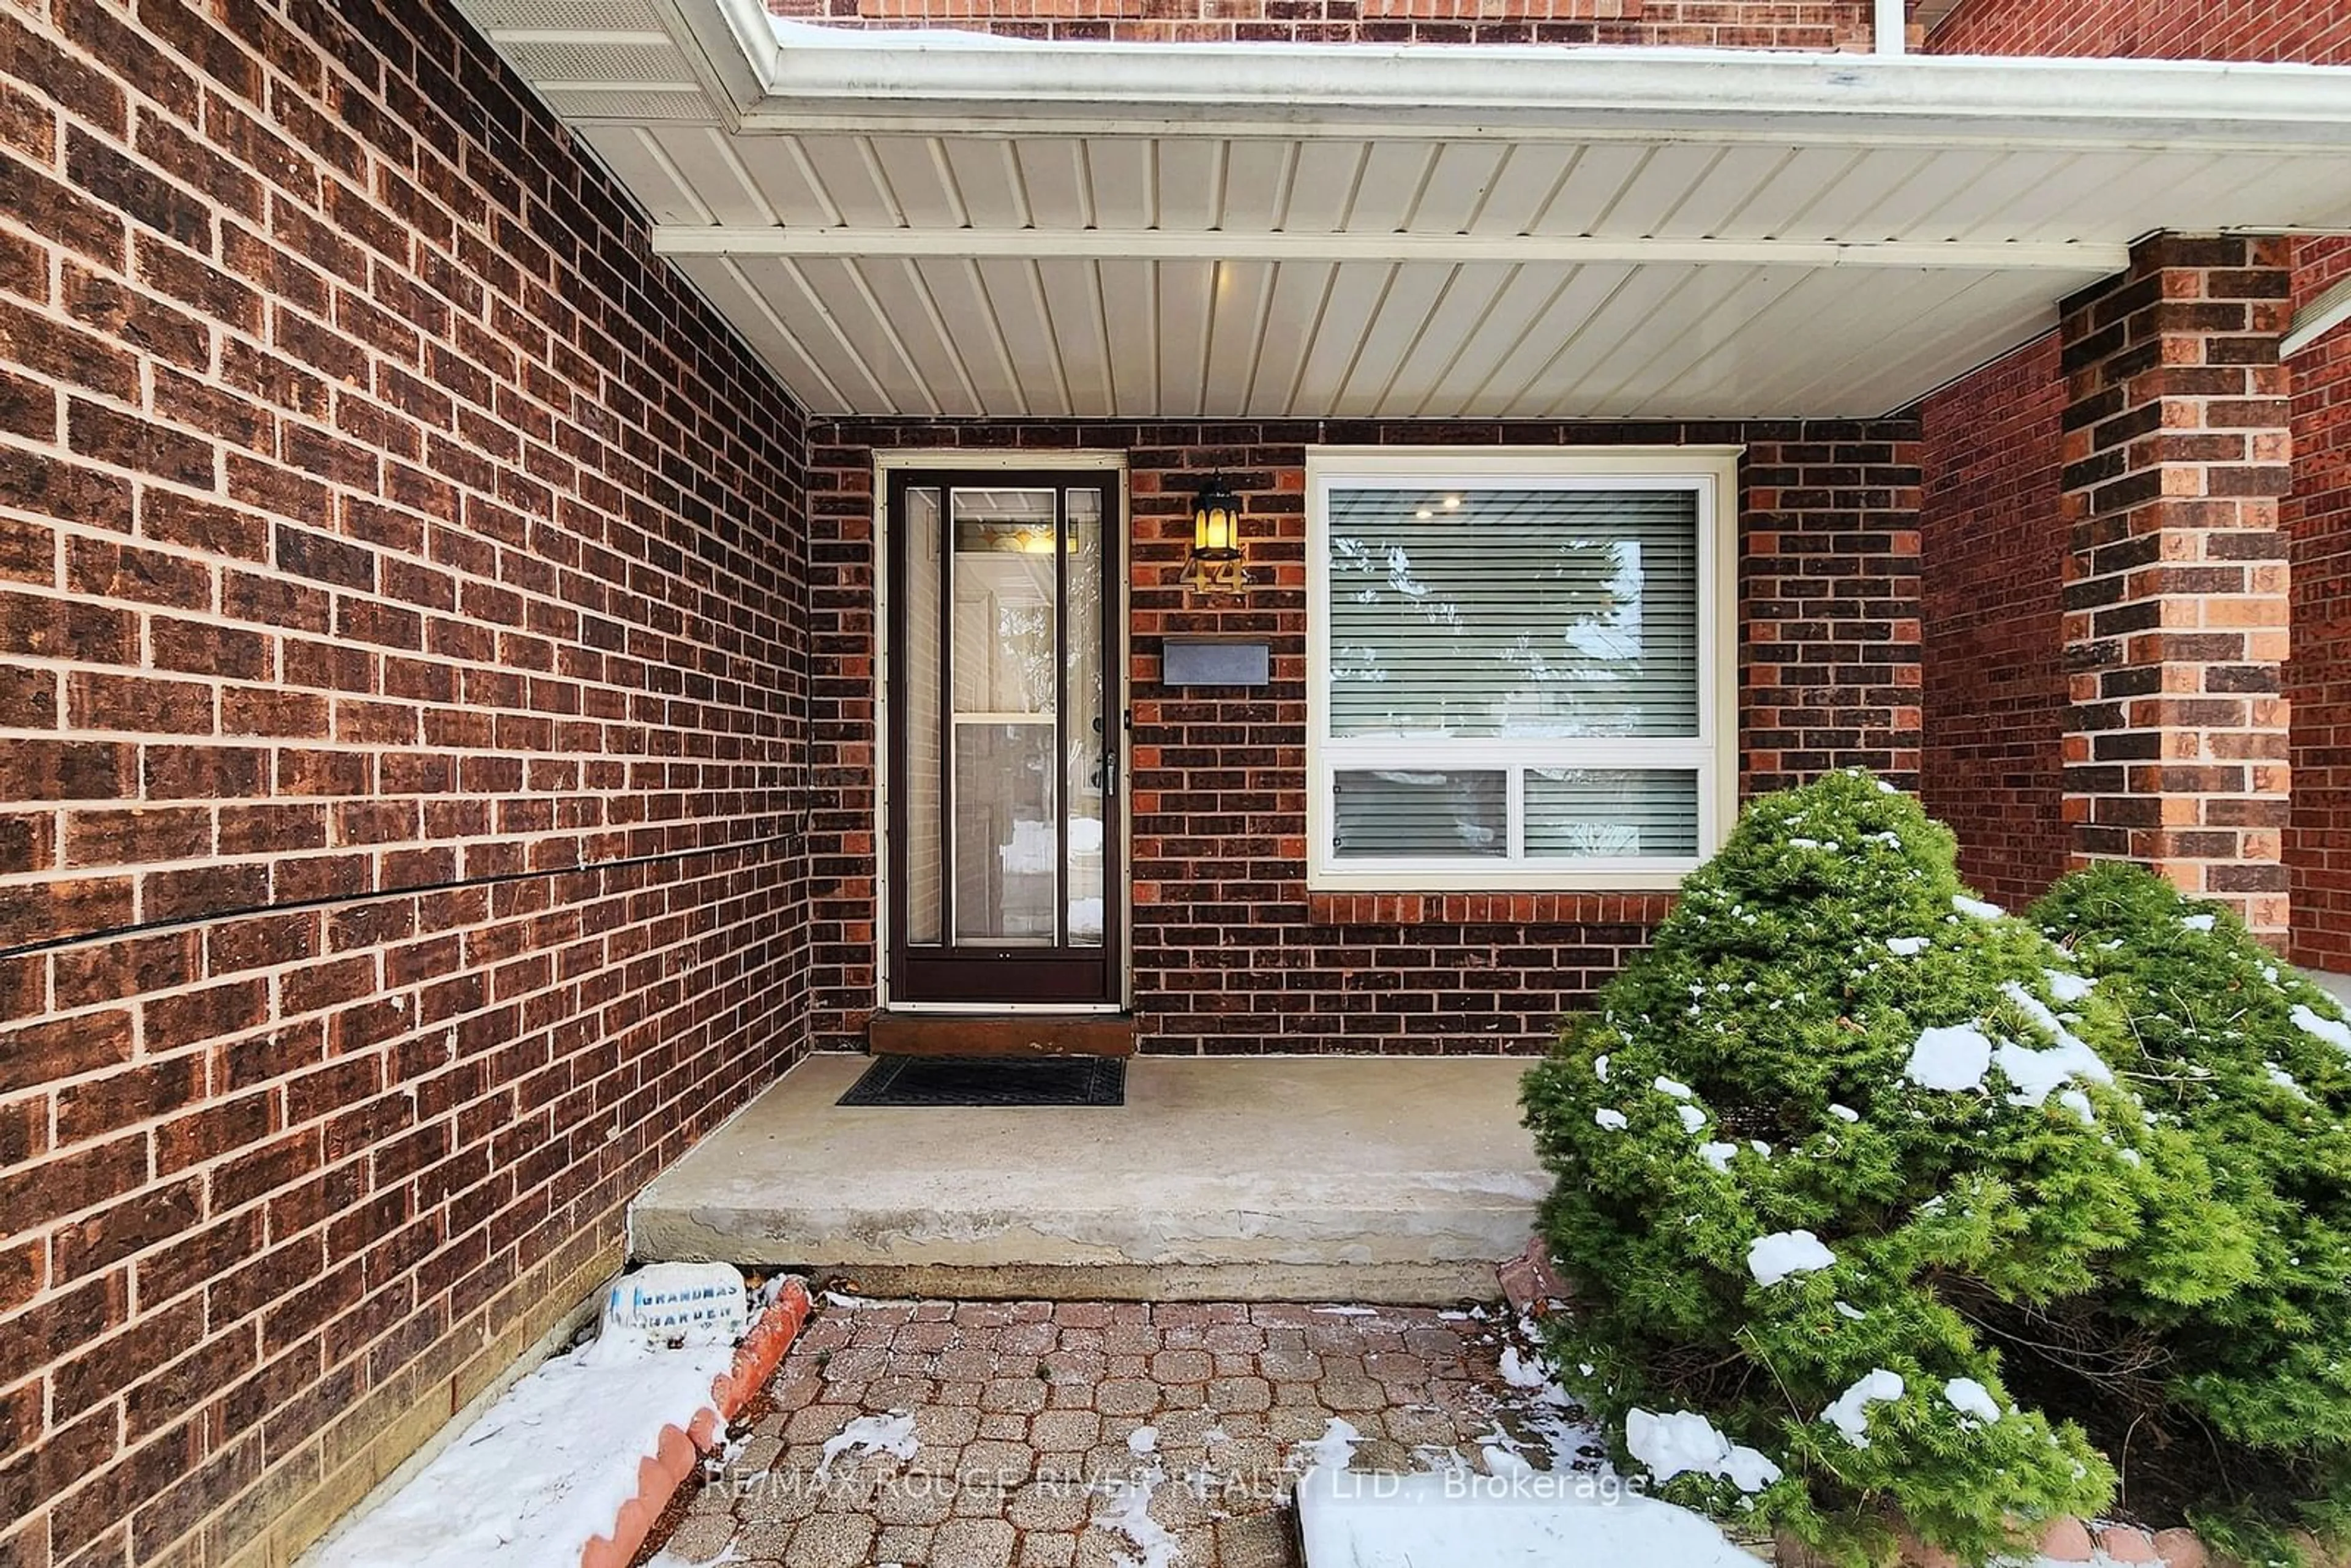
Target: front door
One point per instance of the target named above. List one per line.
(1004, 848)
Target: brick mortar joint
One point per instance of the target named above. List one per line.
(331, 901)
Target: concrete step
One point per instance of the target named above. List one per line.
(1010, 1034)
(1261, 1178)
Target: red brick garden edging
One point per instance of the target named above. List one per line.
(661, 1474)
(2062, 1540)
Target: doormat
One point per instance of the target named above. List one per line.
(990, 1081)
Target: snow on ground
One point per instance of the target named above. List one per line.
(1977, 907)
(1485, 1408)
(889, 1434)
(1613, 1120)
(847, 1302)
(1500, 1450)
(1577, 1514)
(1349, 1520)
(1772, 1259)
(1909, 946)
(1129, 1514)
(1685, 1442)
(1550, 1411)
(545, 1470)
(1524, 1371)
(1334, 1448)
(1850, 1412)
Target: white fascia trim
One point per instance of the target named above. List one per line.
(815, 78)
(2317, 318)
(1165, 245)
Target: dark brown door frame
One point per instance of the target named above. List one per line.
(980, 974)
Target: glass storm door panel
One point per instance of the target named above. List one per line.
(1004, 743)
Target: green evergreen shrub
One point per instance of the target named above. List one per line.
(1842, 1157)
(2239, 1409)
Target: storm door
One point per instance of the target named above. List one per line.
(1004, 877)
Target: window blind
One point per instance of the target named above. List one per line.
(1389, 813)
(1517, 681)
(1514, 613)
(1611, 813)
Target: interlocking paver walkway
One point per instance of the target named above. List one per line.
(1086, 1433)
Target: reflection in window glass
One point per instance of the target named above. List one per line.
(1086, 731)
(1513, 613)
(1006, 678)
(1611, 813)
(1007, 645)
(925, 810)
(1397, 814)
(1007, 834)
(1516, 670)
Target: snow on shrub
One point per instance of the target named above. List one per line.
(1894, 1132)
(2241, 1409)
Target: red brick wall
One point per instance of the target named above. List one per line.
(1994, 663)
(1720, 24)
(2178, 454)
(2318, 31)
(2317, 512)
(1995, 553)
(1230, 954)
(400, 605)
(2318, 672)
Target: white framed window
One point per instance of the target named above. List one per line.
(1521, 670)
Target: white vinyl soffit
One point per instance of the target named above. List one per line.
(949, 224)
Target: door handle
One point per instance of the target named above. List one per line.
(1105, 774)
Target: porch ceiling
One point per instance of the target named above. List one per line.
(933, 226)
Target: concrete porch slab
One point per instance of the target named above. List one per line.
(1265, 1178)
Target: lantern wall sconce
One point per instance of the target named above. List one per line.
(1214, 566)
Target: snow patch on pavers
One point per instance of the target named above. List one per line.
(572, 1468)
(1578, 1513)
(1348, 1519)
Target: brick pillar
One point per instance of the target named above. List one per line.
(2176, 450)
